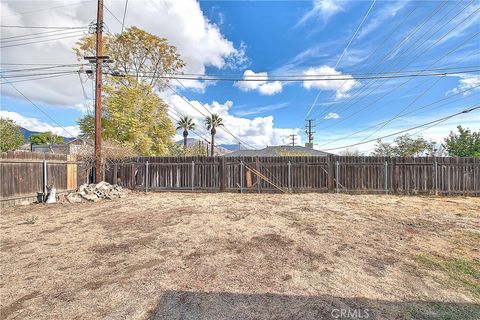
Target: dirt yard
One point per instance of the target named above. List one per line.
(233, 256)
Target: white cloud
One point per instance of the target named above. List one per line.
(332, 115)
(322, 9)
(386, 13)
(466, 82)
(262, 109)
(199, 41)
(33, 124)
(341, 87)
(258, 132)
(261, 84)
(435, 133)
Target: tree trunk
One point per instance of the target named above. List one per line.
(213, 131)
(185, 136)
(212, 144)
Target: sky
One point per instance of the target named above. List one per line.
(269, 39)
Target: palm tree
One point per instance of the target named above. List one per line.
(212, 123)
(186, 124)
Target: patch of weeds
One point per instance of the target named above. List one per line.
(30, 220)
(458, 272)
(437, 310)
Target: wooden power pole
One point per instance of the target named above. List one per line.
(98, 95)
(309, 130)
(293, 136)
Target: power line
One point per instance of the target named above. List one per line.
(382, 42)
(412, 60)
(393, 50)
(33, 34)
(299, 79)
(355, 34)
(43, 68)
(56, 34)
(112, 14)
(41, 78)
(416, 111)
(42, 27)
(473, 108)
(353, 74)
(44, 9)
(343, 52)
(124, 14)
(36, 106)
(398, 114)
(203, 114)
(38, 74)
(400, 85)
(41, 41)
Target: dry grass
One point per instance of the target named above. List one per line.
(232, 256)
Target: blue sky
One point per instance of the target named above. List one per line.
(294, 38)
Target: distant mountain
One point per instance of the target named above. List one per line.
(27, 133)
(219, 150)
(231, 147)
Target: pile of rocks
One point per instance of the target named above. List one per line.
(95, 192)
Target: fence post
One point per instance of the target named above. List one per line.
(241, 176)
(44, 180)
(115, 174)
(330, 171)
(337, 175)
(289, 176)
(146, 176)
(435, 168)
(193, 175)
(386, 177)
(222, 174)
(257, 167)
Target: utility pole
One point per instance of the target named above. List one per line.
(293, 136)
(98, 95)
(309, 130)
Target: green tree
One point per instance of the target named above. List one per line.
(405, 146)
(186, 124)
(132, 111)
(212, 123)
(45, 138)
(11, 136)
(465, 143)
(134, 115)
(195, 150)
(135, 53)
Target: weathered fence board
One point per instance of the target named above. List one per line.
(396, 175)
(22, 174)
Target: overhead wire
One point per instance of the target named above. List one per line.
(397, 47)
(473, 108)
(56, 34)
(42, 27)
(343, 52)
(42, 41)
(403, 83)
(350, 101)
(38, 108)
(419, 110)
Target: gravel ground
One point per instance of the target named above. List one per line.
(239, 256)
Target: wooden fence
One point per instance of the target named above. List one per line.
(25, 174)
(394, 175)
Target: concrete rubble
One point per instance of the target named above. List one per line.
(95, 192)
